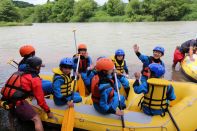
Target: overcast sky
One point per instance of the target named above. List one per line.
(100, 2)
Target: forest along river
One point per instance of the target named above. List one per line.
(55, 41)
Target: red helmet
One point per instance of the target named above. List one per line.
(82, 46)
(104, 64)
(26, 50)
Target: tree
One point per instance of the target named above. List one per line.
(62, 11)
(43, 12)
(115, 7)
(22, 4)
(169, 9)
(8, 12)
(133, 8)
(84, 9)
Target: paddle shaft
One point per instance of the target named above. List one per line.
(75, 80)
(173, 120)
(116, 81)
(75, 40)
(12, 65)
(15, 62)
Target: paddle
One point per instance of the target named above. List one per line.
(80, 84)
(10, 63)
(116, 81)
(173, 120)
(69, 115)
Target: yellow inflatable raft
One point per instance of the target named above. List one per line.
(189, 68)
(183, 109)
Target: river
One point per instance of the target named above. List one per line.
(55, 41)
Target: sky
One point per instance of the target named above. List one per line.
(100, 2)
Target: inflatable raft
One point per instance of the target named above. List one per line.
(183, 110)
(189, 68)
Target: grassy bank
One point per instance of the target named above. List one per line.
(14, 24)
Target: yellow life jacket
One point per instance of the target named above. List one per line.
(119, 68)
(66, 87)
(156, 97)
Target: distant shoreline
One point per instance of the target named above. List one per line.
(3, 24)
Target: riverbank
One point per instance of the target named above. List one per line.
(2, 24)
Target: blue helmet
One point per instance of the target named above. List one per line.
(66, 62)
(100, 57)
(157, 69)
(119, 52)
(160, 49)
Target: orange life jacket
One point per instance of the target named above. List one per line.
(13, 90)
(96, 92)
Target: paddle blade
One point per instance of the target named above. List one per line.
(81, 87)
(68, 120)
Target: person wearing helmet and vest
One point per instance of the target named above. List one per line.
(27, 51)
(121, 67)
(158, 52)
(104, 95)
(62, 83)
(189, 47)
(89, 75)
(157, 91)
(22, 85)
(85, 60)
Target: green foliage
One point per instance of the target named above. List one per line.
(14, 24)
(102, 16)
(133, 8)
(89, 11)
(169, 9)
(115, 7)
(62, 11)
(42, 13)
(22, 4)
(8, 12)
(83, 10)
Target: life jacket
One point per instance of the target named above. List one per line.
(156, 97)
(145, 67)
(66, 87)
(83, 63)
(119, 67)
(96, 92)
(13, 90)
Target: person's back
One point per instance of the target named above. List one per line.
(189, 47)
(157, 92)
(27, 51)
(104, 97)
(26, 84)
(185, 47)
